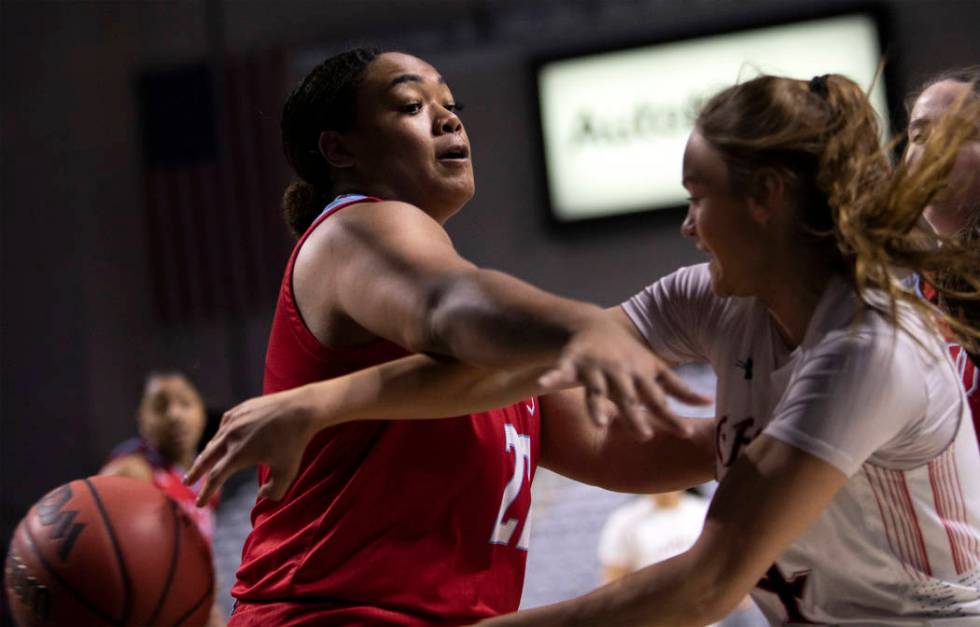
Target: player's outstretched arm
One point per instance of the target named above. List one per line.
(394, 271)
(772, 494)
(275, 429)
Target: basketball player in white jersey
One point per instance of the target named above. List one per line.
(849, 473)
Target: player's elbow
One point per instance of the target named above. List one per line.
(713, 607)
(693, 594)
(720, 588)
(450, 306)
(429, 329)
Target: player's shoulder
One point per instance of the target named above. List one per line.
(384, 211)
(131, 446)
(376, 221)
(874, 333)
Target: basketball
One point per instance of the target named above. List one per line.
(108, 551)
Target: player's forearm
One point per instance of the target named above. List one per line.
(613, 458)
(675, 592)
(416, 387)
(491, 319)
(664, 463)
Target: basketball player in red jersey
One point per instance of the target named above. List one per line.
(955, 214)
(171, 420)
(408, 523)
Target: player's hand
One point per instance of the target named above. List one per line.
(614, 365)
(273, 430)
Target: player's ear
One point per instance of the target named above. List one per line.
(767, 198)
(334, 148)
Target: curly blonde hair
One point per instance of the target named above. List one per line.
(862, 213)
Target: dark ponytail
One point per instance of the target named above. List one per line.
(301, 203)
(323, 101)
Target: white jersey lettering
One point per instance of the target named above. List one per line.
(503, 529)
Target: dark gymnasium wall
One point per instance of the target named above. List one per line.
(97, 290)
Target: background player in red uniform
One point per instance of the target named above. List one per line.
(408, 522)
(956, 213)
(171, 419)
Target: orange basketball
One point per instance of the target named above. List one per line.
(108, 551)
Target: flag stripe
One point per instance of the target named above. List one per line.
(215, 246)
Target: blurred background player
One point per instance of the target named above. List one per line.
(650, 529)
(953, 214)
(171, 419)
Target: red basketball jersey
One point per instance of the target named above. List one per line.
(387, 522)
(966, 367)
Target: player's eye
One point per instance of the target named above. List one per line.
(410, 108)
(919, 134)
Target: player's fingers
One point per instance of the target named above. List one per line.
(280, 478)
(205, 494)
(561, 376)
(679, 389)
(216, 477)
(595, 393)
(232, 414)
(271, 489)
(215, 448)
(205, 459)
(622, 392)
(656, 402)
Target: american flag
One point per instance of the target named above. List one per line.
(213, 177)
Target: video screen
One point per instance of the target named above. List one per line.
(615, 123)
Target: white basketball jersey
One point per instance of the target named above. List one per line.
(899, 544)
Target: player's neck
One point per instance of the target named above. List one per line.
(793, 299)
(185, 461)
(182, 460)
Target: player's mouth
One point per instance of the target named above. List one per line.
(180, 438)
(457, 153)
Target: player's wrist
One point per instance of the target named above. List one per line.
(314, 407)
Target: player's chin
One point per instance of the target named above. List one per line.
(175, 448)
(458, 177)
(457, 187)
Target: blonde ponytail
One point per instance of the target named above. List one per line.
(823, 137)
